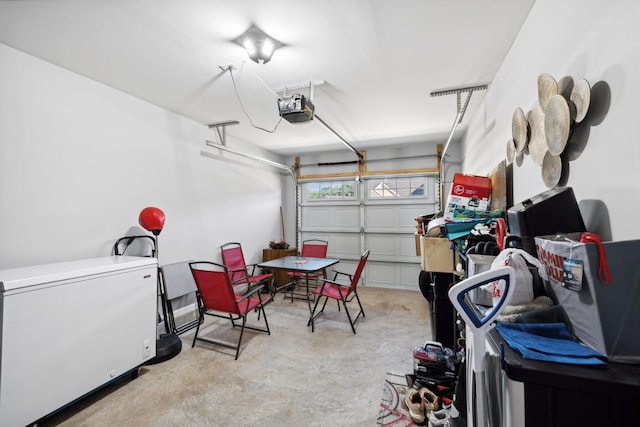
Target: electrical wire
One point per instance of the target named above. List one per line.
(261, 81)
(235, 88)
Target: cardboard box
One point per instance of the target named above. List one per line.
(437, 255)
(468, 193)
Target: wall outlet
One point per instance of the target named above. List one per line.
(146, 348)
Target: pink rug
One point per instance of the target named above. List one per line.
(392, 411)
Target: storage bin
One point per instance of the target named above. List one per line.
(604, 316)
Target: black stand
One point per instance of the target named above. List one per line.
(168, 345)
(443, 319)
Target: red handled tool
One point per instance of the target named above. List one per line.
(501, 232)
(603, 268)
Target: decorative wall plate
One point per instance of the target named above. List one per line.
(581, 98)
(551, 170)
(519, 129)
(538, 142)
(511, 150)
(547, 87)
(557, 123)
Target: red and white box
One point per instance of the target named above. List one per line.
(468, 193)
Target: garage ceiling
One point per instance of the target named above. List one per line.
(378, 60)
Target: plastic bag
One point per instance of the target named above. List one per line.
(519, 260)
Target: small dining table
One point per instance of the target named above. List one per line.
(298, 264)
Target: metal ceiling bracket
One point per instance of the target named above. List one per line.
(251, 156)
(222, 134)
(310, 85)
(459, 89)
(222, 145)
(459, 115)
(227, 67)
(461, 109)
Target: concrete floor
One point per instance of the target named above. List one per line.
(292, 377)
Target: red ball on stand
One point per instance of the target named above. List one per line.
(152, 219)
(168, 344)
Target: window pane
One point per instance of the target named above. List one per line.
(377, 188)
(335, 190)
(313, 191)
(396, 188)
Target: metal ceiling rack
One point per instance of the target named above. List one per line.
(461, 109)
(310, 86)
(221, 127)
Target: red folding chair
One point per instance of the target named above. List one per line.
(340, 292)
(241, 278)
(314, 248)
(217, 297)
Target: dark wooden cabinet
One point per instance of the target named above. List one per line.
(280, 276)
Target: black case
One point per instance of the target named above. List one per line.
(551, 212)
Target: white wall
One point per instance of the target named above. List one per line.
(595, 40)
(79, 161)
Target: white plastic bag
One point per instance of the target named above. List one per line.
(517, 259)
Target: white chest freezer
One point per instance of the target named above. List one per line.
(68, 328)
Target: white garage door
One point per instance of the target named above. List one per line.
(377, 214)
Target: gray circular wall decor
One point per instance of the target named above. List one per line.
(551, 170)
(547, 87)
(511, 150)
(538, 141)
(581, 98)
(557, 124)
(519, 129)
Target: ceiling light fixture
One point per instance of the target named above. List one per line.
(259, 45)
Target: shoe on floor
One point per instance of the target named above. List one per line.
(430, 399)
(439, 414)
(415, 404)
(446, 418)
(443, 422)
